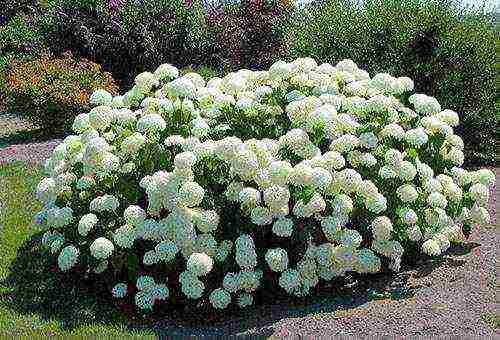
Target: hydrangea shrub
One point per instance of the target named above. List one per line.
(184, 189)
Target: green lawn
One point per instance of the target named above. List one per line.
(17, 208)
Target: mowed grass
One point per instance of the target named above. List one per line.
(18, 205)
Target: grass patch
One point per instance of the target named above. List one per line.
(17, 208)
(492, 320)
(34, 301)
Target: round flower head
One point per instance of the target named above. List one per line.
(283, 227)
(190, 194)
(182, 87)
(144, 300)
(276, 196)
(424, 105)
(289, 280)
(67, 258)
(146, 81)
(134, 215)
(81, 123)
(382, 228)
(150, 258)
(431, 247)
(249, 197)
(199, 264)
(104, 203)
(392, 131)
(132, 144)
(479, 215)
(184, 160)
(479, 193)
(101, 248)
(231, 283)
(100, 117)
(47, 190)
(416, 137)
(100, 97)
(332, 226)
(414, 233)
(87, 222)
(485, 177)
(166, 250)
(206, 243)
(387, 172)
(402, 85)
(442, 240)
(59, 217)
(145, 282)
(206, 221)
(219, 298)
(367, 261)
(166, 72)
(223, 251)
(119, 290)
(437, 200)
(407, 193)
(151, 123)
(277, 259)
(160, 292)
(49, 237)
(246, 256)
(321, 178)
(409, 217)
(249, 280)
(261, 216)
(350, 238)
(192, 287)
(376, 204)
(125, 236)
(406, 171)
(342, 204)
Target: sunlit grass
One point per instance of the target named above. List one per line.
(17, 207)
(492, 320)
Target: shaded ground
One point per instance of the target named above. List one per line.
(454, 297)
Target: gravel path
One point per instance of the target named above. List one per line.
(10, 124)
(34, 153)
(449, 299)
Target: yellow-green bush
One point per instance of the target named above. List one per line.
(51, 92)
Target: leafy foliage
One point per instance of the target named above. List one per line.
(188, 193)
(51, 92)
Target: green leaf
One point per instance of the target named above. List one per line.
(132, 265)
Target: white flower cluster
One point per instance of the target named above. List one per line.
(148, 292)
(321, 156)
(68, 258)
